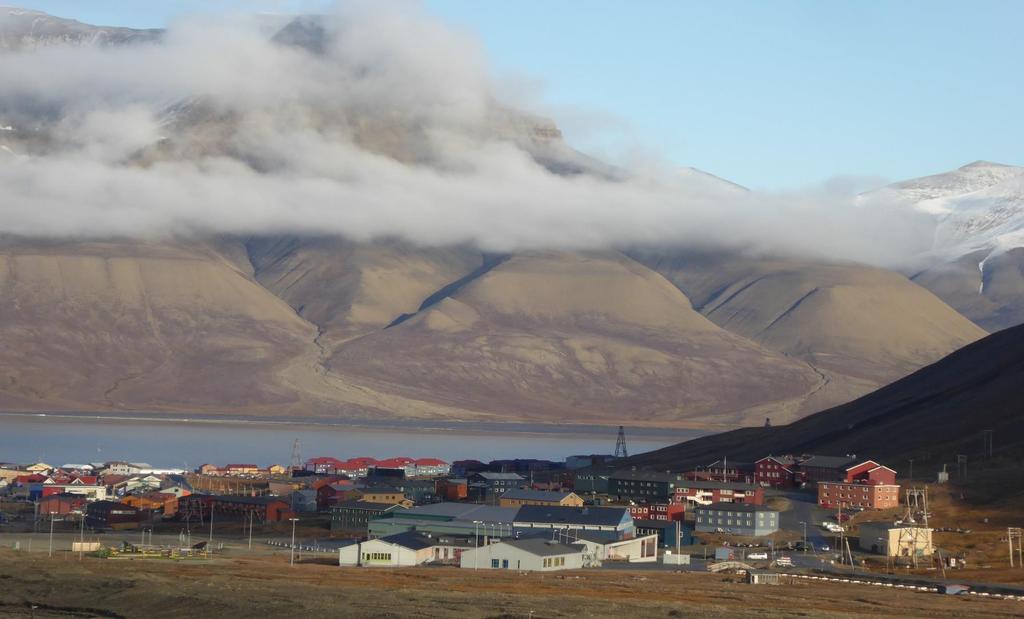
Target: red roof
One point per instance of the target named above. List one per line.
(323, 460)
(29, 479)
(393, 463)
(362, 461)
(430, 462)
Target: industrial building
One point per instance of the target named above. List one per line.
(615, 520)
(531, 554)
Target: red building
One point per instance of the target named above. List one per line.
(112, 515)
(867, 485)
(658, 511)
(224, 507)
(62, 504)
(700, 492)
(452, 489)
(777, 472)
(333, 493)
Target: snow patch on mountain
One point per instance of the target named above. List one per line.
(978, 207)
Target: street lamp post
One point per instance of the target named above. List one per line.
(250, 530)
(52, 514)
(294, 520)
(81, 539)
(476, 544)
(805, 535)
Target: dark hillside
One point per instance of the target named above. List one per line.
(931, 416)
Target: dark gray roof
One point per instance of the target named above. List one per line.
(544, 547)
(734, 507)
(244, 500)
(542, 514)
(526, 494)
(464, 511)
(716, 485)
(496, 476)
(379, 490)
(646, 475)
(409, 539)
(828, 462)
(656, 524)
(357, 504)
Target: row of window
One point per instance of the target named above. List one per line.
(376, 556)
(503, 563)
(554, 561)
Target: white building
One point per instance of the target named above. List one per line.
(531, 554)
(400, 550)
(602, 548)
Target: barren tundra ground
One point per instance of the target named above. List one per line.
(267, 586)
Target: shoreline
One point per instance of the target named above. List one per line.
(464, 427)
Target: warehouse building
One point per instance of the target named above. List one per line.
(531, 554)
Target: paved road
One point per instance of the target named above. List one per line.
(804, 508)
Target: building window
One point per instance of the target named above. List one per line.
(494, 563)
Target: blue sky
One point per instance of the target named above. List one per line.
(768, 94)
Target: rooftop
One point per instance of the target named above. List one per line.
(717, 485)
(828, 462)
(734, 507)
(368, 505)
(601, 516)
(526, 494)
(543, 548)
(646, 475)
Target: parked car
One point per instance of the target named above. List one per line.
(758, 556)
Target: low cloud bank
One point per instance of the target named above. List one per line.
(373, 121)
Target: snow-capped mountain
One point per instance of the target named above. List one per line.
(979, 207)
(977, 255)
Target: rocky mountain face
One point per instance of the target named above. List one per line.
(318, 325)
(979, 242)
(24, 30)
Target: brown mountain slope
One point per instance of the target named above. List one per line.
(350, 289)
(143, 326)
(566, 337)
(863, 325)
(931, 416)
(989, 296)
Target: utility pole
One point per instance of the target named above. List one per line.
(52, 514)
(1013, 538)
(961, 466)
(250, 530)
(294, 520)
(81, 540)
(987, 437)
(211, 526)
(805, 536)
(911, 475)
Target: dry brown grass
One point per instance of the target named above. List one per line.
(267, 586)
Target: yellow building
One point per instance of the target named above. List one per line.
(896, 540)
(523, 496)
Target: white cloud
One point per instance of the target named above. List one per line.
(392, 132)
